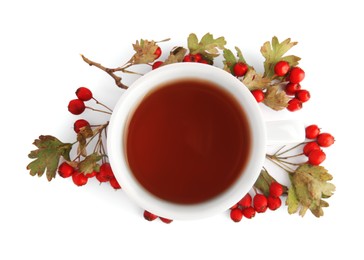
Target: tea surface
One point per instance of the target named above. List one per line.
(187, 141)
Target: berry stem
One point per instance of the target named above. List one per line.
(287, 157)
(98, 110)
(279, 163)
(290, 149)
(101, 104)
(108, 71)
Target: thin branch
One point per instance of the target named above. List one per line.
(107, 70)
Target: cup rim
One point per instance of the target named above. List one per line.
(131, 98)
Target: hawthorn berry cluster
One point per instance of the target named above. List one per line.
(247, 207)
(313, 149)
(292, 78)
(104, 174)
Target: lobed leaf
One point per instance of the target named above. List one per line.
(275, 98)
(144, 52)
(207, 47)
(47, 156)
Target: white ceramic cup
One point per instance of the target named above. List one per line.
(262, 134)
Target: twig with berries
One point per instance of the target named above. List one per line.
(309, 181)
(84, 165)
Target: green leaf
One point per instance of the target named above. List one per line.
(176, 55)
(292, 201)
(144, 52)
(275, 98)
(274, 51)
(89, 164)
(254, 80)
(309, 187)
(264, 181)
(240, 55)
(47, 156)
(207, 47)
(229, 61)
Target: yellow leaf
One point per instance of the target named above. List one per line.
(275, 98)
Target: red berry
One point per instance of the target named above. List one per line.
(303, 95)
(156, 65)
(188, 58)
(105, 173)
(204, 62)
(240, 69)
(309, 147)
(312, 131)
(275, 189)
(158, 52)
(236, 215)
(294, 105)
(65, 170)
(165, 220)
(234, 206)
(79, 124)
(248, 212)
(246, 201)
(296, 75)
(198, 57)
(91, 174)
(84, 94)
(292, 88)
(149, 216)
(258, 95)
(316, 157)
(281, 68)
(325, 140)
(260, 203)
(114, 183)
(76, 106)
(274, 202)
(79, 178)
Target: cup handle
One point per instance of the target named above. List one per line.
(285, 132)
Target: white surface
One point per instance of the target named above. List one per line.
(40, 68)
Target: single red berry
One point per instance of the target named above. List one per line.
(91, 174)
(188, 58)
(312, 131)
(274, 202)
(65, 170)
(325, 140)
(309, 147)
(275, 189)
(79, 124)
(281, 68)
(114, 183)
(296, 75)
(248, 212)
(316, 157)
(149, 216)
(236, 215)
(79, 178)
(156, 65)
(294, 104)
(303, 95)
(260, 203)
(197, 57)
(292, 88)
(246, 201)
(240, 69)
(234, 206)
(258, 95)
(76, 106)
(166, 220)
(83, 94)
(158, 52)
(105, 173)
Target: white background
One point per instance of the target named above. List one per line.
(40, 68)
